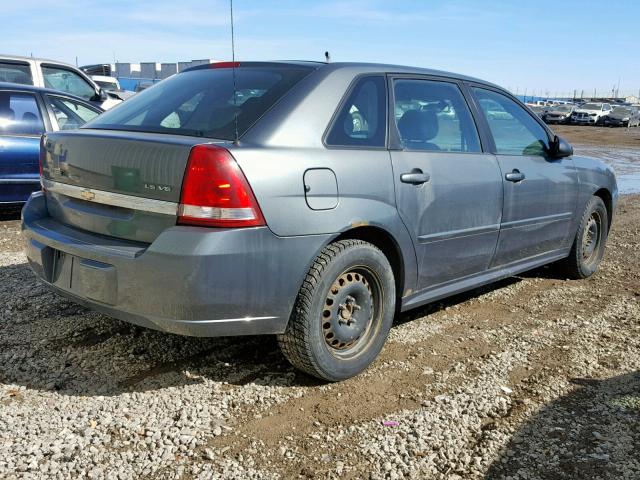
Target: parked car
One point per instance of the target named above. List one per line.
(25, 113)
(112, 86)
(190, 211)
(102, 69)
(539, 111)
(559, 114)
(55, 75)
(590, 113)
(623, 117)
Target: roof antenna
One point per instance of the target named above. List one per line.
(233, 72)
(327, 56)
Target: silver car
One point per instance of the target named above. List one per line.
(308, 200)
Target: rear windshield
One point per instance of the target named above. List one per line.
(202, 102)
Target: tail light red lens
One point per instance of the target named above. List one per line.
(42, 159)
(215, 192)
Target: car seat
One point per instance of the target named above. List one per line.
(30, 124)
(417, 127)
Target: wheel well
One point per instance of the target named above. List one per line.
(604, 194)
(385, 242)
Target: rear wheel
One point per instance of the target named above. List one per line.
(588, 245)
(343, 312)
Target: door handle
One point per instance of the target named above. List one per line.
(514, 176)
(415, 177)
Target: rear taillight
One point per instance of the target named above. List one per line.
(215, 192)
(43, 158)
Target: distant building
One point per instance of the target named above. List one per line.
(130, 75)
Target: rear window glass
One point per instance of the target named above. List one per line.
(15, 73)
(204, 102)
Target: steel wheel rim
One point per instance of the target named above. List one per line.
(591, 238)
(352, 312)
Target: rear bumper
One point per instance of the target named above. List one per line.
(189, 281)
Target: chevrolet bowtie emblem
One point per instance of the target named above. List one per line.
(87, 195)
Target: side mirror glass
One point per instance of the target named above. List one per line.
(560, 148)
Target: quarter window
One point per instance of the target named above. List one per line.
(69, 113)
(361, 120)
(67, 81)
(19, 114)
(432, 115)
(514, 130)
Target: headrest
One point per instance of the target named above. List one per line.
(418, 125)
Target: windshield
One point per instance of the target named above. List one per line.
(622, 110)
(563, 108)
(202, 102)
(592, 106)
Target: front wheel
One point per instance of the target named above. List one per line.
(343, 312)
(588, 245)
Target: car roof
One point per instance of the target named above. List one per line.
(364, 67)
(27, 59)
(30, 88)
(392, 68)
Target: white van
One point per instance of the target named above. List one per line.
(56, 75)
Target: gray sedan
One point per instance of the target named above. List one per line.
(623, 116)
(308, 200)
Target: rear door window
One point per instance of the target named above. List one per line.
(19, 114)
(16, 73)
(433, 115)
(514, 130)
(208, 102)
(68, 81)
(362, 118)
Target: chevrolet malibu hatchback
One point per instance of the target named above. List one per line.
(312, 201)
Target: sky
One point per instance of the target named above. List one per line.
(542, 46)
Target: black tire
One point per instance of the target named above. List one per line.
(589, 243)
(343, 312)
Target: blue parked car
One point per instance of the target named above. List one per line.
(26, 112)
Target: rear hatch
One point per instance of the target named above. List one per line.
(121, 175)
(120, 184)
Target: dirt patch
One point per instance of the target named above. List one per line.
(599, 136)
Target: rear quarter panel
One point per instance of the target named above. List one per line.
(287, 141)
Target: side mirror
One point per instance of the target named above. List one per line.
(560, 148)
(100, 96)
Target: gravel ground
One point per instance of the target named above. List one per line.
(534, 377)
